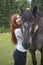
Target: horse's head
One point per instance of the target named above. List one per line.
(29, 32)
(29, 26)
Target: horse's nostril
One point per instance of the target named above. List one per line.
(29, 43)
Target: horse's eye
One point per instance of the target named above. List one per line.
(30, 29)
(23, 29)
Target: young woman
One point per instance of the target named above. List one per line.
(19, 53)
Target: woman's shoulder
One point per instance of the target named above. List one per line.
(18, 31)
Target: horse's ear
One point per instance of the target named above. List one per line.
(35, 9)
(21, 10)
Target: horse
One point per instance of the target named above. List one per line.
(32, 31)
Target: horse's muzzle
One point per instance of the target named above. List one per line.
(26, 45)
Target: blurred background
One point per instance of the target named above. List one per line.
(9, 7)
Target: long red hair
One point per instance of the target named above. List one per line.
(14, 26)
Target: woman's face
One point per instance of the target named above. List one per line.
(18, 18)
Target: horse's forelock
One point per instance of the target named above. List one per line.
(27, 16)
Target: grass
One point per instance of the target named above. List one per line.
(7, 49)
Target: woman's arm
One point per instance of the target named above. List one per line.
(18, 34)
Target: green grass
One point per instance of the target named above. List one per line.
(7, 49)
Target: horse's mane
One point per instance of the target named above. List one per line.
(13, 26)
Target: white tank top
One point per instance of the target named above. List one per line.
(18, 35)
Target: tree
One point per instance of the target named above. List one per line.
(7, 9)
(39, 4)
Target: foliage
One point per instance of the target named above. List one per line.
(10, 7)
(7, 9)
(39, 4)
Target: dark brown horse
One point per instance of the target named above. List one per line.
(32, 30)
